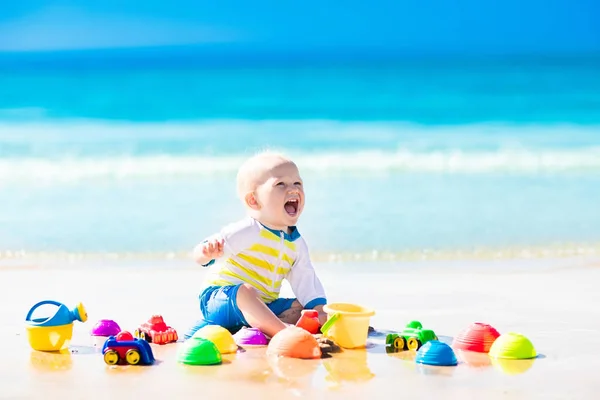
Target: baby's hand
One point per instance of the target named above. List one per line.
(213, 248)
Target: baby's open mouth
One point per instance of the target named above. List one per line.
(291, 207)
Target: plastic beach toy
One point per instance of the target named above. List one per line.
(347, 325)
(125, 349)
(199, 351)
(105, 327)
(53, 333)
(250, 337)
(436, 353)
(309, 320)
(220, 336)
(411, 338)
(512, 346)
(294, 342)
(155, 330)
(477, 337)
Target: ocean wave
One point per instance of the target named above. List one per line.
(362, 162)
(70, 150)
(100, 137)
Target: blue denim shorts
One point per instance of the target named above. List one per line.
(219, 307)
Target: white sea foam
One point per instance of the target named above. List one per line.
(73, 150)
(68, 169)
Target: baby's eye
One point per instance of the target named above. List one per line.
(298, 183)
(279, 184)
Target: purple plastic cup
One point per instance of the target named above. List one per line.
(105, 327)
(250, 337)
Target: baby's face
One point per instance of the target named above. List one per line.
(281, 196)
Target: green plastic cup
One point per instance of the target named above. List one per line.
(199, 351)
(512, 346)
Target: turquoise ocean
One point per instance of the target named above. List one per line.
(138, 154)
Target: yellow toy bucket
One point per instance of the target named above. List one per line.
(348, 324)
(50, 338)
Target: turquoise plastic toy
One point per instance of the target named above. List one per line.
(62, 316)
(53, 333)
(437, 353)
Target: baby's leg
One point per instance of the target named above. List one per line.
(292, 314)
(256, 312)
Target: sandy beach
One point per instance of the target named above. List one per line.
(551, 301)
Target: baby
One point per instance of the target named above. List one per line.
(256, 253)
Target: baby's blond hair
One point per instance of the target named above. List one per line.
(251, 172)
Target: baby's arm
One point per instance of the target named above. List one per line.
(305, 283)
(230, 240)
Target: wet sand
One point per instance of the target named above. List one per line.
(555, 303)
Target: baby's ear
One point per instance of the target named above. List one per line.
(251, 201)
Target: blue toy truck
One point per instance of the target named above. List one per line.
(125, 349)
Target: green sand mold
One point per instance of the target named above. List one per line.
(512, 346)
(199, 351)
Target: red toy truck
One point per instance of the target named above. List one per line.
(156, 331)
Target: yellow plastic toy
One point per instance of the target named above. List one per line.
(512, 346)
(348, 324)
(220, 336)
(53, 333)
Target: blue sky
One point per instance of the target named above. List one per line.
(500, 26)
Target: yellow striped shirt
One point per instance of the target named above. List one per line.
(263, 258)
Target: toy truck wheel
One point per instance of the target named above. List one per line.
(132, 357)
(399, 343)
(413, 343)
(111, 357)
